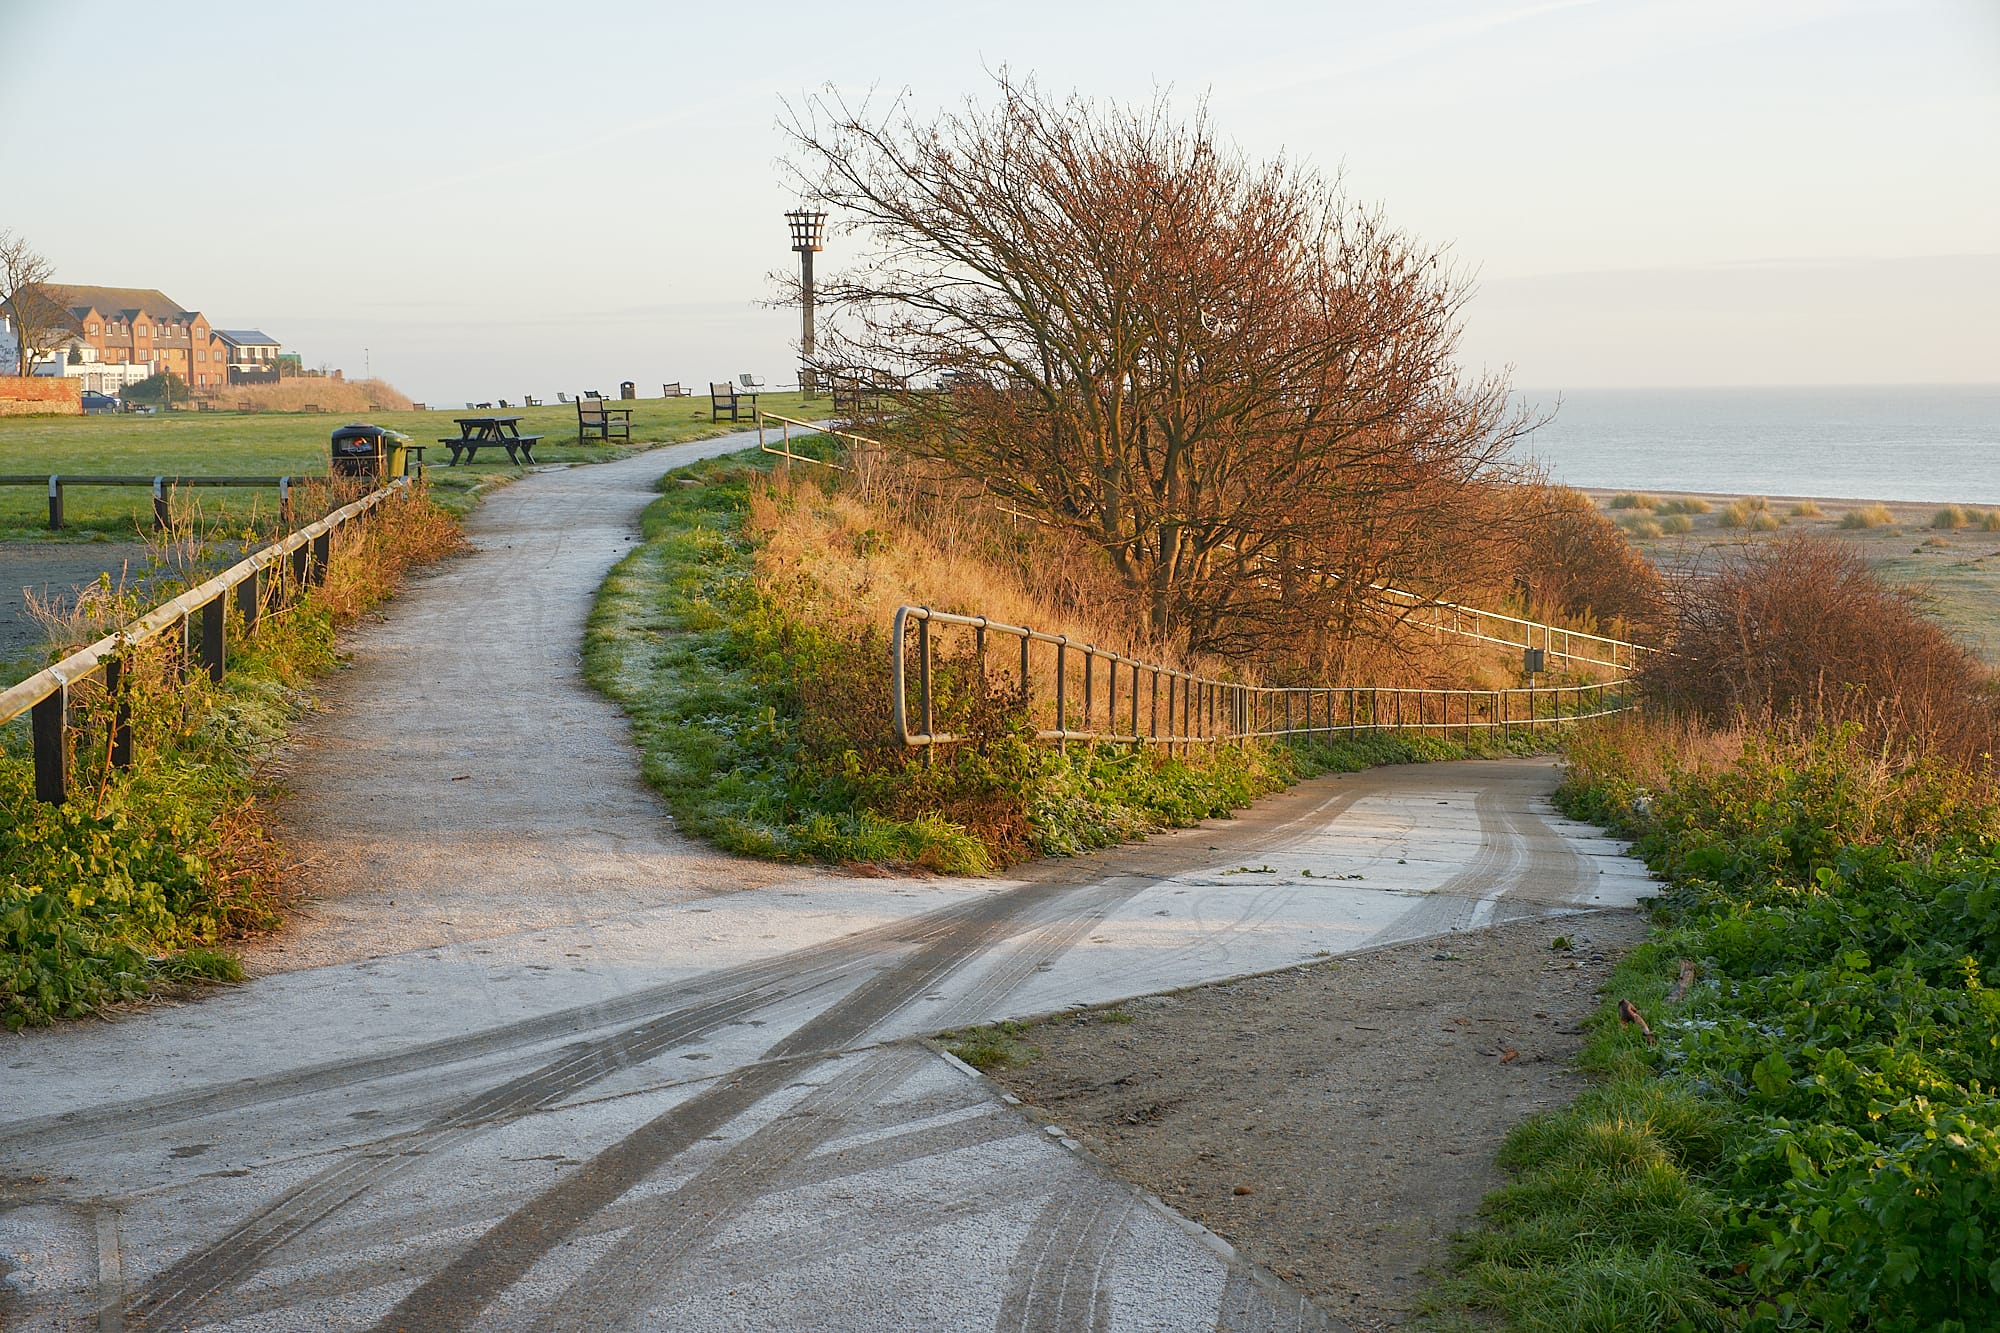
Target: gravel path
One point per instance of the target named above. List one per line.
(527, 1060)
(460, 779)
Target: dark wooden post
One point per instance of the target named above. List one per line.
(322, 556)
(250, 600)
(160, 514)
(1025, 641)
(301, 561)
(214, 615)
(48, 722)
(55, 503)
(1111, 698)
(1154, 729)
(121, 712)
(1089, 685)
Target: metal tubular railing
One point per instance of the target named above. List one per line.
(1430, 613)
(196, 621)
(162, 489)
(784, 449)
(1163, 705)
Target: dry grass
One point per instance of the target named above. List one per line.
(1692, 504)
(848, 550)
(336, 397)
(1634, 500)
(1867, 516)
(1676, 524)
(1744, 513)
(1806, 509)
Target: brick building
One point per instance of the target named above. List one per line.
(141, 326)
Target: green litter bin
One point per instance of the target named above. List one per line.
(362, 450)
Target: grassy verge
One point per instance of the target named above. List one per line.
(144, 875)
(275, 444)
(767, 731)
(1814, 1142)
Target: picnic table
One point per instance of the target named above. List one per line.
(475, 433)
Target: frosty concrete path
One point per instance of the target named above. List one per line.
(585, 1076)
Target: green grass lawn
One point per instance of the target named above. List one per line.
(280, 444)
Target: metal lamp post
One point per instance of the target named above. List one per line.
(808, 230)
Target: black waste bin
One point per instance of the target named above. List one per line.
(628, 390)
(361, 450)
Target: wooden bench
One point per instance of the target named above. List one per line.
(674, 390)
(723, 397)
(596, 417)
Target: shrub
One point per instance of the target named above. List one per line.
(1804, 627)
(1676, 523)
(1739, 513)
(1868, 516)
(1990, 522)
(1581, 564)
(1764, 521)
(1953, 517)
(1691, 504)
(1643, 527)
(1630, 500)
(1805, 509)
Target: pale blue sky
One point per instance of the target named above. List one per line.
(499, 198)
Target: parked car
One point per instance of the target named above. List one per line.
(96, 403)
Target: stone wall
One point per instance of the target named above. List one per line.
(40, 395)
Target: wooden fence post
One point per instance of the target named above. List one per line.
(48, 723)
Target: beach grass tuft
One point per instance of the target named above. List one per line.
(1690, 504)
(1867, 516)
(1676, 524)
(1807, 509)
(1634, 500)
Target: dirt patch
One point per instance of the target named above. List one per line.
(1338, 1122)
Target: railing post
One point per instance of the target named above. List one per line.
(1153, 726)
(924, 681)
(285, 502)
(322, 556)
(48, 722)
(160, 514)
(250, 600)
(301, 560)
(1062, 692)
(121, 711)
(1136, 737)
(1026, 639)
(1111, 697)
(55, 503)
(214, 614)
(1089, 686)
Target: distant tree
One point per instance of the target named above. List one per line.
(36, 308)
(165, 387)
(1239, 386)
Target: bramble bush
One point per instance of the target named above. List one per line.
(1841, 1050)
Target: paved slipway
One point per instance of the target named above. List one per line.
(533, 1062)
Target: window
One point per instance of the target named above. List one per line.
(90, 329)
(200, 355)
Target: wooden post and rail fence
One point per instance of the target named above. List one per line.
(193, 628)
(163, 488)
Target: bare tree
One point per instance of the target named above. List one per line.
(35, 307)
(1238, 385)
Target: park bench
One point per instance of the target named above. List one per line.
(674, 390)
(596, 417)
(724, 397)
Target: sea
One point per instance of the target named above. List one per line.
(1931, 443)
